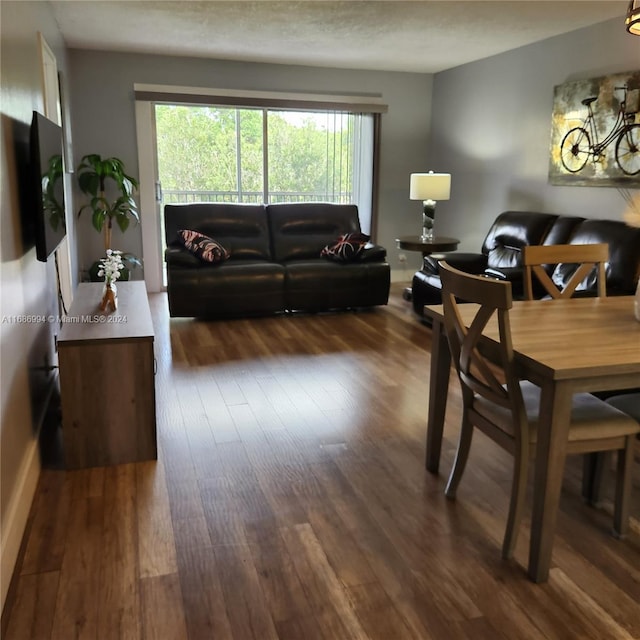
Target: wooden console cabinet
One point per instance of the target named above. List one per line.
(107, 379)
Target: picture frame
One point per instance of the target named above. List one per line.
(588, 119)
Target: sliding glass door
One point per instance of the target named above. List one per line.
(222, 154)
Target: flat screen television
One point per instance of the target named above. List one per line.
(47, 185)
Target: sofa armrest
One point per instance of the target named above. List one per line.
(373, 253)
(474, 263)
(514, 275)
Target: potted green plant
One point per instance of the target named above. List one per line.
(111, 193)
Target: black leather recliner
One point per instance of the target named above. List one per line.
(501, 254)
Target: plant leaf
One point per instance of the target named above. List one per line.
(97, 219)
(123, 222)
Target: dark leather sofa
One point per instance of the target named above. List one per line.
(501, 254)
(274, 264)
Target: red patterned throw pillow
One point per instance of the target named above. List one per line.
(346, 248)
(204, 247)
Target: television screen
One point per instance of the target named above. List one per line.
(48, 185)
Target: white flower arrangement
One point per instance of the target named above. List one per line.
(111, 266)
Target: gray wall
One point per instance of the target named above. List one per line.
(27, 287)
(103, 120)
(491, 129)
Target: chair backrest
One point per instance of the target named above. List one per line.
(497, 383)
(537, 259)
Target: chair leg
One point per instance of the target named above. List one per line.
(464, 446)
(516, 505)
(593, 465)
(623, 489)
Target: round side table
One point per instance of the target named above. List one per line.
(416, 243)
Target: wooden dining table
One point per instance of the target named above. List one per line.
(563, 346)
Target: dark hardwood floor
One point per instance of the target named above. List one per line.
(290, 500)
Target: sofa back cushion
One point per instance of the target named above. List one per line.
(299, 231)
(511, 231)
(241, 229)
(624, 256)
(562, 230)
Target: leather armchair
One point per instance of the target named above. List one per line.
(500, 255)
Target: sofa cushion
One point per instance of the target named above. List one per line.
(235, 288)
(203, 247)
(240, 228)
(562, 229)
(315, 285)
(346, 248)
(299, 231)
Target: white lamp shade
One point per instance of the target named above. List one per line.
(430, 186)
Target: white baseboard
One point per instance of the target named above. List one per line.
(15, 521)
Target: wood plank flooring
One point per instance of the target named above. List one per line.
(290, 501)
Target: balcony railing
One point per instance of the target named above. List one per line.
(172, 196)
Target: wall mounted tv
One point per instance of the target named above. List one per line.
(47, 185)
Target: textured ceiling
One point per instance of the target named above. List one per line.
(417, 36)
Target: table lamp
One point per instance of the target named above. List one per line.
(429, 187)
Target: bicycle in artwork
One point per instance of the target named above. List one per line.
(583, 143)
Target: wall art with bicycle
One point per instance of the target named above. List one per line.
(595, 132)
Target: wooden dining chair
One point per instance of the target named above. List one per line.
(536, 260)
(629, 403)
(579, 261)
(506, 408)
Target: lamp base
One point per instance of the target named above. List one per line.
(428, 217)
(427, 235)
